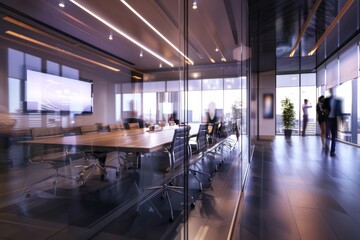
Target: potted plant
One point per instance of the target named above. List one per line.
(288, 115)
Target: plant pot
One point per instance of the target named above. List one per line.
(287, 132)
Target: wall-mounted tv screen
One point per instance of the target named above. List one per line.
(50, 93)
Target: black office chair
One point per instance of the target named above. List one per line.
(215, 144)
(52, 155)
(99, 155)
(124, 159)
(198, 149)
(167, 163)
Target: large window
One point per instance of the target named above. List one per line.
(297, 88)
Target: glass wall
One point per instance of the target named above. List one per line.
(117, 97)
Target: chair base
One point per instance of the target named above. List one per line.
(54, 176)
(165, 190)
(87, 171)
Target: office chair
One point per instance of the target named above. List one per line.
(230, 142)
(167, 162)
(124, 159)
(98, 154)
(115, 127)
(198, 149)
(215, 142)
(53, 155)
(133, 125)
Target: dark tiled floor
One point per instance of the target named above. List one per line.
(295, 190)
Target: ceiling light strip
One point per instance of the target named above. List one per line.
(155, 30)
(23, 25)
(331, 26)
(60, 50)
(305, 26)
(122, 33)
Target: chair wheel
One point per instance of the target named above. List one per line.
(192, 205)
(117, 174)
(171, 219)
(27, 195)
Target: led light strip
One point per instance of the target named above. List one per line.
(60, 50)
(331, 26)
(305, 26)
(122, 33)
(155, 30)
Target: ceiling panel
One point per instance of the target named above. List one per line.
(209, 28)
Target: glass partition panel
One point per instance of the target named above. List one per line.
(131, 105)
(213, 105)
(149, 107)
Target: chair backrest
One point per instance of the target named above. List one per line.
(37, 133)
(133, 125)
(115, 127)
(179, 146)
(201, 141)
(89, 129)
(46, 152)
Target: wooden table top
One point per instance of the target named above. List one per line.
(134, 140)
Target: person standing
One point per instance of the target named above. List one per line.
(321, 118)
(305, 108)
(332, 106)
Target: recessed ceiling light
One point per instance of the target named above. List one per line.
(141, 53)
(194, 6)
(111, 36)
(61, 4)
(160, 65)
(216, 49)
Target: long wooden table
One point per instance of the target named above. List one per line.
(135, 140)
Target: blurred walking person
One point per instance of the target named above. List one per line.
(333, 108)
(321, 118)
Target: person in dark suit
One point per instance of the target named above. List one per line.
(333, 109)
(321, 118)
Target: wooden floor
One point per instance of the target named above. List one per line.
(296, 190)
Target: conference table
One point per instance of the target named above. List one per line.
(139, 140)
